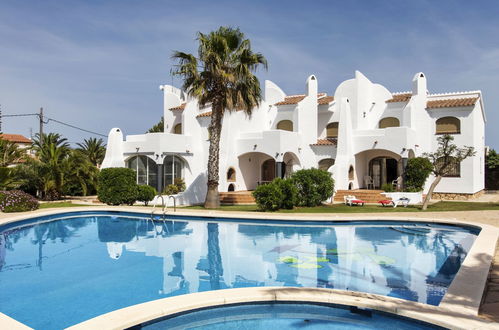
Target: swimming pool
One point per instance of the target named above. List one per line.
(56, 271)
(286, 316)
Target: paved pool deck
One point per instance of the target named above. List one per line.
(458, 309)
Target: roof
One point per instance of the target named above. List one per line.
(179, 107)
(325, 142)
(451, 103)
(294, 99)
(204, 114)
(325, 100)
(16, 138)
(400, 97)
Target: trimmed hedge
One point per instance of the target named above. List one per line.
(146, 194)
(314, 186)
(17, 201)
(117, 186)
(268, 197)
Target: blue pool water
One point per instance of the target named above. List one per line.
(59, 271)
(286, 316)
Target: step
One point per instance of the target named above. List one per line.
(237, 197)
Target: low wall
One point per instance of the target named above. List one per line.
(456, 196)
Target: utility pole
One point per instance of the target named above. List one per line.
(41, 126)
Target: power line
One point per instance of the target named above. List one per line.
(54, 120)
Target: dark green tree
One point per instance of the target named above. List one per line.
(159, 127)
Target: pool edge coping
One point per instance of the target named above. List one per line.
(463, 296)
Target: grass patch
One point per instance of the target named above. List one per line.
(342, 208)
(60, 204)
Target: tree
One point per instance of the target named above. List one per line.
(417, 171)
(443, 160)
(10, 153)
(94, 149)
(492, 170)
(221, 76)
(159, 127)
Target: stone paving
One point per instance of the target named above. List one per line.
(490, 304)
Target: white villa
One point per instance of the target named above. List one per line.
(363, 135)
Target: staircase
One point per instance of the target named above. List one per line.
(369, 196)
(237, 198)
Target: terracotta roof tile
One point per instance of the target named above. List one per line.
(294, 99)
(180, 107)
(403, 97)
(16, 138)
(325, 142)
(325, 100)
(204, 114)
(451, 103)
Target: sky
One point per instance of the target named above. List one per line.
(98, 64)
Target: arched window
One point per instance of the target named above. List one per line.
(231, 175)
(350, 173)
(448, 125)
(231, 187)
(177, 129)
(285, 125)
(452, 169)
(389, 122)
(325, 164)
(173, 167)
(332, 130)
(146, 170)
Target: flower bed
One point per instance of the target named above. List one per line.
(17, 201)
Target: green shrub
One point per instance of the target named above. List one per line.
(289, 192)
(314, 186)
(117, 186)
(416, 172)
(171, 189)
(268, 197)
(17, 201)
(146, 194)
(387, 187)
(180, 183)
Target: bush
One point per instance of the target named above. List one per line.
(171, 189)
(387, 187)
(117, 186)
(180, 183)
(268, 197)
(146, 194)
(289, 192)
(416, 172)
(314, 186)
(17, 201)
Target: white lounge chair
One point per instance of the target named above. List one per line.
(401, 201)
(352, 200)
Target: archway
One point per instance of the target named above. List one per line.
(231, 187)
(231, 174)
(250, 170)
(325, 164)
(285, 125)
(383, 170)
(291, 163)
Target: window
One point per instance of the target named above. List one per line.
(172, 169)
(332, 130)
(453, 168)
(325, 164)
(389, 122)
(146, 170)
(285, 125)
(231, 175)
(177, 129)
(448, 125)
(350, 173)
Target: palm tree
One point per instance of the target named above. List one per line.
(10, 153)
(94, 149)
(221, 75)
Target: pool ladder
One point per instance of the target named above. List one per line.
(164, 207)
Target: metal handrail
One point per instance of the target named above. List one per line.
(163, 205)
(174, 203)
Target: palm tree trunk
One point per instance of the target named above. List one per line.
(212, 200)
(430, 191)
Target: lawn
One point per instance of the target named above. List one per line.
(61, 204)
(342, 208)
